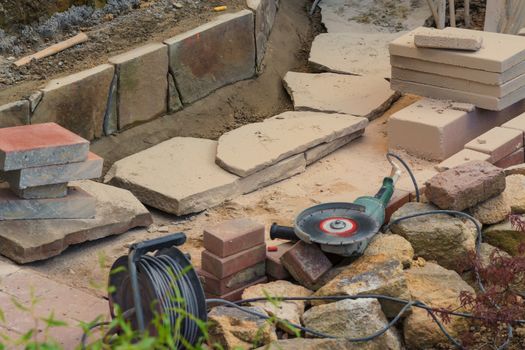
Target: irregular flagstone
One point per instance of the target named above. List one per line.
(353, 53)
(265, 12)
(339, 93)
(117, 211)
(439, 288)
(314, 154)
(353, 319)
(280, 137)
(505, 237)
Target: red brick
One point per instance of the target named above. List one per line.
(514, 158)
(274, 266)
(306, 263)
(236, 295)
(224, 267)
(233, 236)
(242, 278)
(399, 198)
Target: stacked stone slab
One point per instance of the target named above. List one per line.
(38, 161)
(233, 258)
(491, 78)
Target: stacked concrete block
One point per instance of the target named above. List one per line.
(233, 259)
(492, 77)
(38, 161)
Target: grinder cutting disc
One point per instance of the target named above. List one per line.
(335, 224)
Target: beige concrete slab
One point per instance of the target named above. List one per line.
(460, 158)
(517, 123)
(448, 38)
(459, 84)
(497, 142)
(498, 53)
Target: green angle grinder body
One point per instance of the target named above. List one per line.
(345, 228)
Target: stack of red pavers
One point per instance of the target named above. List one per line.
(234, 258)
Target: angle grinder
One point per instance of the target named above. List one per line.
(342, 228)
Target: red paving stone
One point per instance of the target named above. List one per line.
(306, 263)
(274, 266)
(233, 236)
(224, 267)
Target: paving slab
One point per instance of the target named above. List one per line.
(460, 158)
(481, 101)
(40, 145)
(265, 12)
(517, 123)
(449, 70)
(55, 174)
(221, 62)
(40, 192)
(78, 204)
(14, 113)
(515, 158)
(271, 140)
(498, 53)
(117, 211)
(352, 53)
(77, 102)
(232, 236)
(142, 83)
(365, 97)
(448, 38)
(498, 143)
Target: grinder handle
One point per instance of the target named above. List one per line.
(283, 232)
(386, 191)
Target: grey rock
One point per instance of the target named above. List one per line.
(265, 12)
(493, 210)
(34, 99)
(505, 236)
(174, 102)
(393, 246)
(41, 192)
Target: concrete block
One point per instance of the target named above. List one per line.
(498, 53)
(55, 174)
(306, 263)
(142, 83)
(40, 145)
(78, 204)
(515, 158)
(274, 266)
(459, 84)
(236, 294)
(449, 70)
(220, 62)
(77, 102)
(272, 139)
(448, 38)
(318, 152)
(224, 267)
(41, 192)
(438, 130)
(481, 101)
(117, 211)
(498, 143)
(366, 97)
(265, 12)
(465, 186)
(460, 158)
(238, 280)
(517, 123)
(15, 113)
(232, 237)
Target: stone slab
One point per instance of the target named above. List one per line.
(55, 174)
(224, 267)
(15, 113)
(318, 152)
(142, 83)
(448, 38)
(221, 62)
(515, 158)
(498, 53)
(78, 204)
(40, 145)
(459, 84)
(352, 53)
(174, 102)
(498, 143)
(449, 70)
(339, 93)
(460, 158)
(232, 236)
(117, 211)
(77, 102)
(265, 12)
(481, 101)
(41, 192)
(271, 139)
(438, 129)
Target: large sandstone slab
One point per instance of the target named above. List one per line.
(265, 12)
(280, 137)
(14, 113)
(339, 93)
(213, 55)
(77, 102)
(498, 53)
(29, 240)
(352, 53)
(142, 83)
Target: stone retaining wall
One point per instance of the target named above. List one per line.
(153, 80)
